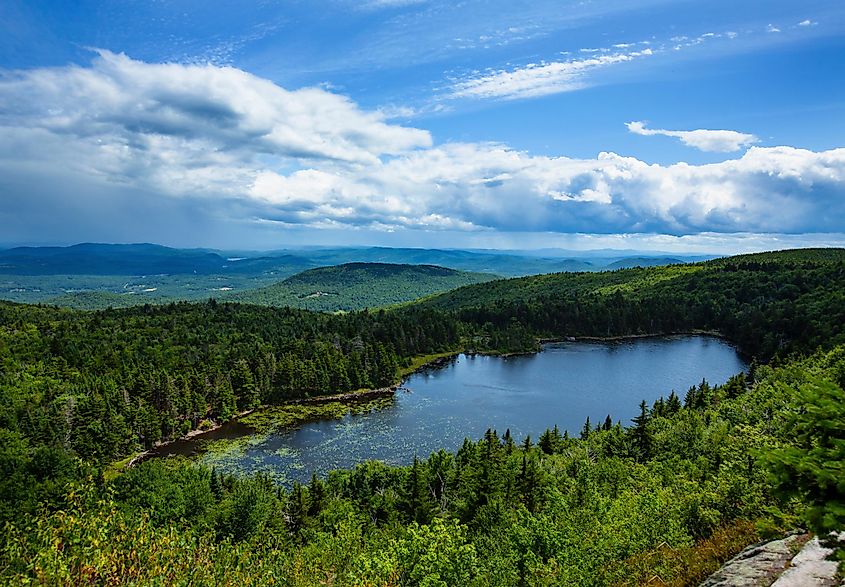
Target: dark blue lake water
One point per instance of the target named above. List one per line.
(564, 384)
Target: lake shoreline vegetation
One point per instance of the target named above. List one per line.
(296, 412)
(688, 484)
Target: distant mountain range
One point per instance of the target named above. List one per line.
(138, 259)
(150, 259)
(94, 275)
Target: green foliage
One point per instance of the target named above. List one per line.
(768, 303)
(355, 286)
(812, 466)
(568, 511)
(666, 499)
(102, 385)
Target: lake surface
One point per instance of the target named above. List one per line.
(564, 384)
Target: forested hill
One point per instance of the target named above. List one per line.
(766, 302)
(355, 286)
(694, 480)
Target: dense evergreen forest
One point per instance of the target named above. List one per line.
(691, 481)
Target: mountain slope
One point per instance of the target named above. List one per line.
(635, 280)
(767, 303)
(96, 275)
(354, 286)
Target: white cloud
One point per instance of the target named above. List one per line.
(487, 186)
(176, 143)
(553, 77)
(539, 79)
(718, 141)
(125, 109)
(377, 4)
(568, 75)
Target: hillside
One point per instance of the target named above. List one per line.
(766, 302)
(692, 481)
(640, 281)
(354, 286)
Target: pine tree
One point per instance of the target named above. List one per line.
(316, 495)
(509, 443)
(526, 444)
(641, 434)
(297, 509)
(585, 431)
(673, 404)
(419, 500)
(216, 485)
(545, 442)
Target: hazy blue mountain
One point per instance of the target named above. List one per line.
(629, 262)
(92, 275)
(135, 259)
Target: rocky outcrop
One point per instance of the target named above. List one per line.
(757, 565)
(809, 568)
(793, 561)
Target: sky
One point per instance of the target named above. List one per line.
(673, 125)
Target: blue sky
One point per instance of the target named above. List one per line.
(688, 126)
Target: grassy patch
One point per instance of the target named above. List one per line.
(288, 415)
(686, 565)
(117, 467)
(421, 360)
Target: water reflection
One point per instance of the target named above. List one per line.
(562, 385)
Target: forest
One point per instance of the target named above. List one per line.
(690, 482)
(355, 286)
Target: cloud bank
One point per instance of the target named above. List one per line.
(716, 141)
(124, 143)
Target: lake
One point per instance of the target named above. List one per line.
(438, 407)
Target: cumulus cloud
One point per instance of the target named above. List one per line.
(540, 79)
(203, 115)
(483, 186)
(717, 141)
(123, 142)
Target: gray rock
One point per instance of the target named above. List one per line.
(810, 568)
(756, 566)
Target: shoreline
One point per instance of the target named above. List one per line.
(434, 362)
(349, 396)
(621, 337)
(192, 434)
